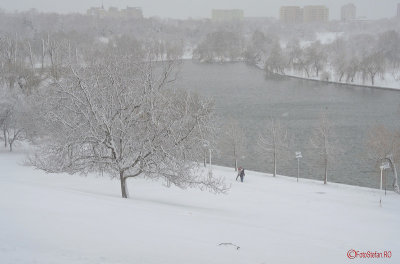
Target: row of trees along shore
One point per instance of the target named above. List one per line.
(277, 145)
(360, 57)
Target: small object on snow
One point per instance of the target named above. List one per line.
(229, 244)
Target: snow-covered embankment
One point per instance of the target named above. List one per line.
(47, 218)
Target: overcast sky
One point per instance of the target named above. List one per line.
(202, 8)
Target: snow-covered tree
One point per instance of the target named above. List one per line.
(339, 57)
(220, 46)
(10, 60)
(372, 65)
(274, 143)
(351, 68)
(324, 146)
(233, 139)
(123, 116)
(316, 55)
(389, 45)
(258, 48)
(384, 145)
(276, 61)
(15, 116)
(292, 50)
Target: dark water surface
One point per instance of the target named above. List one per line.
(245, 93)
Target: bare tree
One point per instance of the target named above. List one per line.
(322, 141)
(4, 120)
(351, 68)
(123, 116)
(233, 139)
(316, 56)
(275, 62)
(298, 58)
(372, 65)
(338, 54)
(220, 46)
(14, 117)
(384, 145)
(256, 49)
(9, 60)
(17, 64)
(274, 142)
(389, 45)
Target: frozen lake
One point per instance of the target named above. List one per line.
(245, 93)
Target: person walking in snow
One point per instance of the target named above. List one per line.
(240, 174)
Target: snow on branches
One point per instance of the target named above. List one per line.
(123, 117)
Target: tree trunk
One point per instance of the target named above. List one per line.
(11, 145)
(308, 75)
(341, 76)
(31, 56)
(274, 163)
(5, 138)
(124, 190)
(326, 171)
(43, 54)
(234, 155)
(395, 181)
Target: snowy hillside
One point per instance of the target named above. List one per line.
(46, 218)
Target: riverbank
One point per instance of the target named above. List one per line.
(393, 86)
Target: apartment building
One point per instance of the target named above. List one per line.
(291, 14)
(315, 14)
(348, 12)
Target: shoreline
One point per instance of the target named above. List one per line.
(333, 82)
(328, 82)
(303, 78)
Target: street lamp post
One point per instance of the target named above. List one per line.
(298, 157)
(385, 165)
(210, 171)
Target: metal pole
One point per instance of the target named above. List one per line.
(298, 169)
(210, 161)
(380, 199)
(386, 173)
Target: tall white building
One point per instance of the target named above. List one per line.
(398, 10)
(348, 12)
(129, 12)
(308, 14)
(316, 14)
(291, 14)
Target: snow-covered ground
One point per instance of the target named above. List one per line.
(48, 218)
(322, 37)
(386, 81)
